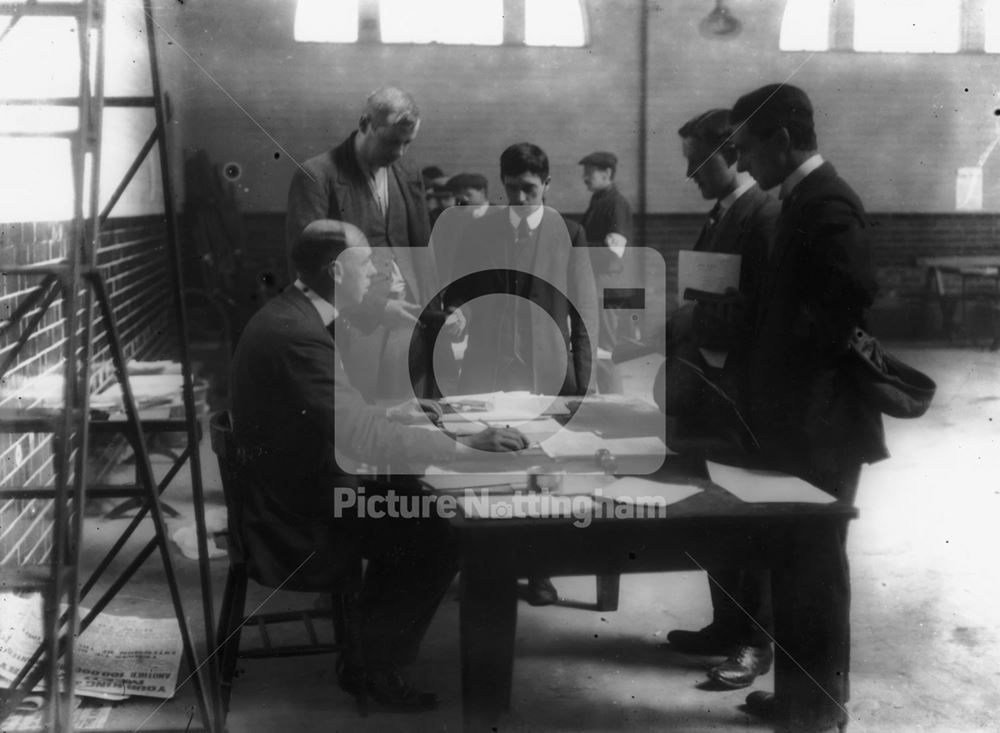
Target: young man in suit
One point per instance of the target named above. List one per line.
(364, 181)
(742, 222)
(537, 329)
(297, 420)
(608, 227)
(798, 394)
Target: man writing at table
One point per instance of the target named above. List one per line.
(798, 395)
(297, 419)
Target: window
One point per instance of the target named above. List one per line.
(908, 26)
(805, 26)
(451, 22)
(890, 26)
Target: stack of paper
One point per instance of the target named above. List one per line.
(643, 492)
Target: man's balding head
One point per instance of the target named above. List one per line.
(390, 106)
(388, 125)
(321, 242)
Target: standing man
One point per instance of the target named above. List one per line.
(297, 419)
(799, 396)
(741, 222)
(363, 181)
(608, 226)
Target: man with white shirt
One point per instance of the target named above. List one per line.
(296, 420)
(608, 226)
(799, 396)
(742, 222)
(526, 286)
(364, 181)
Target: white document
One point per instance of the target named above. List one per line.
(443, 479)
(115, 657)
(758, 487)
(643, 492)
(577, 444)
(707, 271)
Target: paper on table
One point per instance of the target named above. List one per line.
(442, 479)
(643, 492)
(756, 486)
(708, 271)
(524, 506)
(574, 444)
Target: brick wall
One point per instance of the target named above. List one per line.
(897, 239)
(132, 257)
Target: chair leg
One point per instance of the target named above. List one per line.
(607, 592)
(339, 613)
(230, 627)
(351, 619)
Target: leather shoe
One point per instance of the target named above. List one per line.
(742, 667)
(541, 592)
(761, 704)
(386, 687)
(710, 641)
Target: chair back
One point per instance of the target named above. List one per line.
(224, 447)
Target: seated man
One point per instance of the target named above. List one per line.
(296, 418)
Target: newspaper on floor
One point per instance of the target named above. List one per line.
(30, 715)
(115, 657)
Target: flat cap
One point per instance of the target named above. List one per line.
(600, 159)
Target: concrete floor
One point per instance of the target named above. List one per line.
(926, 632)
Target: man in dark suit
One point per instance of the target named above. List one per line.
(297, 421)
(536, 327)
(742, 222)
(797, 391)
(364, 181)
(530, 256)
(607, 224)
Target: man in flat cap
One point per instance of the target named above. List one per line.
(364, 181)
(298, 424)
(800, 399)
(608, 226)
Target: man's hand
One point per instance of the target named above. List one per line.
(415, 411)
(497, 440)
(454, 325)
(400, 314)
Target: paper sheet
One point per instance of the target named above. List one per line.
(643, 492)
(115, 657)
(708, 271)
(524, 506)
(758, 487)
(583, 444)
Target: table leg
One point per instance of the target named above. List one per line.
(607, 592)
(487, 622)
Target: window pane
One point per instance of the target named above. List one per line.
(330, 21)
(554, 23)
(471, 22)
(36, 183)
(992, 26)
(907, 26)
(805, 26)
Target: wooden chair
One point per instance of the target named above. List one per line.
(344, 611)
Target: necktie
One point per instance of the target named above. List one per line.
(523, 231)
(714, 215)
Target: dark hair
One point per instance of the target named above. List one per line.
(715, 130)
(320, 243)
(431, 172)
(524, 158)
(468, 180)
(776, 106)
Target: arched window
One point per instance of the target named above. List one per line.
(453, 22)
(891, 26)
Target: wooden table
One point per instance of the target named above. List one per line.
(967, 268)
(708, 529)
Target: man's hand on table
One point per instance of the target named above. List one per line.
(497, 440)
(415, 411)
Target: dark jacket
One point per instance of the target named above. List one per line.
(332, 186)
(797, 392)
(558, 333)
(292, 403)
